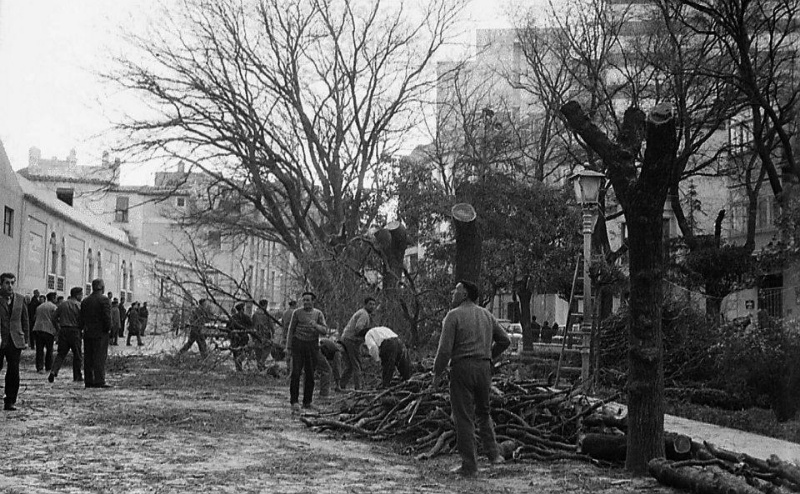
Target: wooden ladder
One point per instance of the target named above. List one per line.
(574, 314)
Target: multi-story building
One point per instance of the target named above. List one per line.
(51, 246)
(149, 218)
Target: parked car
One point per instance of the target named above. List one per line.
(514, 331)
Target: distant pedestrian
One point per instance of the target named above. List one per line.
(144, 314)
(263, 332)
(388, 349)
(352, 338)
(70, 325)
(536, 329)
(176, 321)
(32, 305)
(471, 337)
(545, 331)
(44, 333)
(239, 325)
(123, 317)
(59, 299)
(134, 324)
(96, 316)
(14, 325)
(306, 326)
(201, 316)
(115, 323)
(280, 338)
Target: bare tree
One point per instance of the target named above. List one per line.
(289, 106)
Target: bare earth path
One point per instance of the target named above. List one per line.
(175, 425)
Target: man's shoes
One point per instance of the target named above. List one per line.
(104, 386)
(51, 377)
(461, 471)
(141, 344)
(9, 407)
(295, 408)
(498, 460)
(78, 379)
(39, 371)
(310, 408)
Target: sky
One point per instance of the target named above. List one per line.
(51, 94)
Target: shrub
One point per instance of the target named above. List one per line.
(762, 360)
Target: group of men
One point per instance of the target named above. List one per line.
(74, 322)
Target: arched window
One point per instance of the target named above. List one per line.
(90, 259)
(63, 256)
(124, 276)
(99, 265)
(53, 254)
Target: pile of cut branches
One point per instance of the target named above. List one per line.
(532, 421)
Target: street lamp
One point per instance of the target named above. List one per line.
(587, 185)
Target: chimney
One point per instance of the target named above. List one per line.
(34, 155)
(72, 159)
(116, 163)
(105, 158)
(181, 168)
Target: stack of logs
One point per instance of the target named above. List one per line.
(536, 422)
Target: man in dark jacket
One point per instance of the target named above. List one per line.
(69, 326)
(32, 306)
(13, 328)
(239, 326)
(96, 316)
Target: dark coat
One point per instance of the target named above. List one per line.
(17, 320)
(96, 315)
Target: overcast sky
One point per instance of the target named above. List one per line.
(49, 95)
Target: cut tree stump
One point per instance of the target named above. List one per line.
(468, 243)
(709, 479)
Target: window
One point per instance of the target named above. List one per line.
(121, 211)
(181, 202)
(65, 195)
(124, 276)
(53, 254)
(63, 256)
(8, 222)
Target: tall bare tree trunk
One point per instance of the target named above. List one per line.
(642, 194)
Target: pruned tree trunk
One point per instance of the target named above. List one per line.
(468, 243)
(642, 194)
(705, 479)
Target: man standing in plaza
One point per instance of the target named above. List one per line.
(302, 344)
(471, 338)
(69, 326)
(44, 333)
(352, 339)
(32, 306)
(13, 328)
(197, 321)
(96, 316)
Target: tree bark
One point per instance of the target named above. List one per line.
(468, 243)
(642, 194)
(392, 241)
(525, 293)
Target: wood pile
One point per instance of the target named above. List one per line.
(532, 420)
(713, 470)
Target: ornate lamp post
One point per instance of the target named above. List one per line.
(587, 185)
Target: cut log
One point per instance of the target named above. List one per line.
(677, 446)
(612, 447)
(468, 243)
(604, 446)
(702, 480)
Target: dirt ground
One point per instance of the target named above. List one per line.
(176, 424)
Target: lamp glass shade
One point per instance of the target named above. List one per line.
(587, 186)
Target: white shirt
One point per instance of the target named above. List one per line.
(375, 337)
